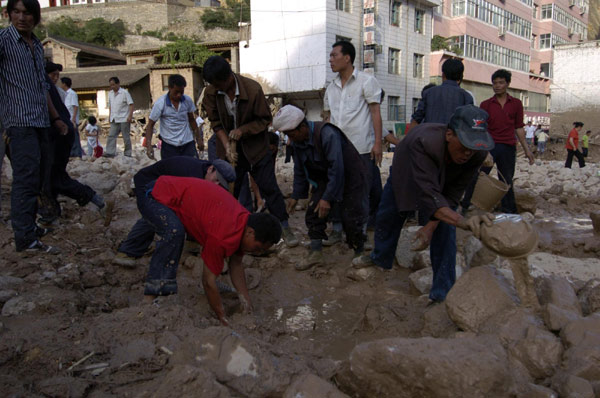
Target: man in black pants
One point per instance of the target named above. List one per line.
(238, 112)
(328, 163)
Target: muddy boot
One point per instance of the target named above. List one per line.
(362, 262)
(124, 260)
(289, 238)
(315, 257)
(334, 238)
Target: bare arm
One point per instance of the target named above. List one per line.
(130, 116)
(74, 117)
(197, 131)
(149, 132)
(377, 151)
(521, 137)
(209, 282)
(392, 139)
(238, 278)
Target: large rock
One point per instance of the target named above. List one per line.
(186, 381)
(9, 282)
(475, 254)
(311, 386)
(422, 279)
(17, 306)
(589, 297)
(526, 201)
(537, 391)
(583, 360)
(558, 291)
(574, 332)
(479, 295)
(540, 351)
(557, 318)
(545, 264)
(512, 326)
(427, 368)
(404, 256)
(570, 386)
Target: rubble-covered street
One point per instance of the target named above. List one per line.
(75, 325)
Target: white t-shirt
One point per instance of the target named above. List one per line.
(72, 101)
(542, 137)
(92, 140)
(530, 131)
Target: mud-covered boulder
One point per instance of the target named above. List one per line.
(526, 201)
(480, 294)
(185, 381)
(574, 332)
(589, 296)
(537, 391)
(422, 279)
(311, 386)
(469, 366)
(540, 352)
(558, 291)
(512, 326)
(572, 386)
(583, 359)
(557, 318)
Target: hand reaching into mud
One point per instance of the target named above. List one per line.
(474, 223)
(423, 236)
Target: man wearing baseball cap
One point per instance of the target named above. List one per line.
(141, 235)
(430, 170)
(327, 163)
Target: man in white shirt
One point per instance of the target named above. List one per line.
(352, 102)
(120, 115)
(176, 114)
(530, 133)
(72, 103)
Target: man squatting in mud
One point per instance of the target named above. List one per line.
(172, 206)
(430, 170)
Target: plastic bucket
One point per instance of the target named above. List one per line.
(488, 192)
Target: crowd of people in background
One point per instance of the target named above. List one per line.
(336, 164)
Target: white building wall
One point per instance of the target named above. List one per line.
(573, 85)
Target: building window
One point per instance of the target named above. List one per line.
(395, 110)
(535, 11)
(419, 21)
(492, 53)
(165, 82)
(342, 5)
(415, 103)
(418, 65)
(546, 69)
(546, 11)
(533, 41)
(545, 40)
(395, 12)
(394, 61)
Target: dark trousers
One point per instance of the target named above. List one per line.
(578, 155)
(442, 249)
(157, 219)
(29, 157)
(585, 152)
(263, 173)
(505, 157)
(76, 151)
(169, 151)
(371, 202)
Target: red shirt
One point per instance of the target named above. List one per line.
(208, 212)
(575, 135)
(503, 121)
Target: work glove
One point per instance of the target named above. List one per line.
(473, 223)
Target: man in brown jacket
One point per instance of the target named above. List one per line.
(238, 113)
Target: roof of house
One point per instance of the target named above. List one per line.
(88, 48)
(174, 66)
(87, 78)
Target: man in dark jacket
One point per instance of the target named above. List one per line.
(327, 162)
(430, 171)
(239, 116)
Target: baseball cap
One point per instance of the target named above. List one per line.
(288, 118)
(469, 122)
(225, 172)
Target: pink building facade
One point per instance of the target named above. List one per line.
(517, 35)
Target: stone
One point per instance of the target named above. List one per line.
(574, 269)
(583, 359)
(540, 351)
(405, 256)
(558, 291)
(6, 295)
(422, 279)
(475, 254)
(573, 386)
(470, 366)
(64, 387)
(360, 274)
(479, 295)
(9, 282)
(595, 216)
(557, 318)
(556, 189)
(573, 333)
(526, 201)
(17, 306)
(512, 326)
(188, 381)
(133, 352)
(421, 260)
(311, 386)
(537, 391)
(589, 297)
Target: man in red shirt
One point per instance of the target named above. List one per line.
(218, 222)
(506, 119)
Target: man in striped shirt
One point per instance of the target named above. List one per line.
(26, 112)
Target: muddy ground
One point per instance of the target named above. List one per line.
(74, 325)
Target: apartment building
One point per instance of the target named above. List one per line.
(289, 43)
(518, 35)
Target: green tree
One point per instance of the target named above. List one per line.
(439, 43)
(227, 16)
(185, 51)
(100, 31)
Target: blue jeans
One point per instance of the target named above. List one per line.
(157, 219)
(29, 158)
(442, 248)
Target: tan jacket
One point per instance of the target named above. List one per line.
(253, 115)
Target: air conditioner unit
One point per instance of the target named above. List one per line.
(501, 30)
(572, 3)
(583, 10)
(571, 32)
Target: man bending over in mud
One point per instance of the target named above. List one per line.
(216, 220)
